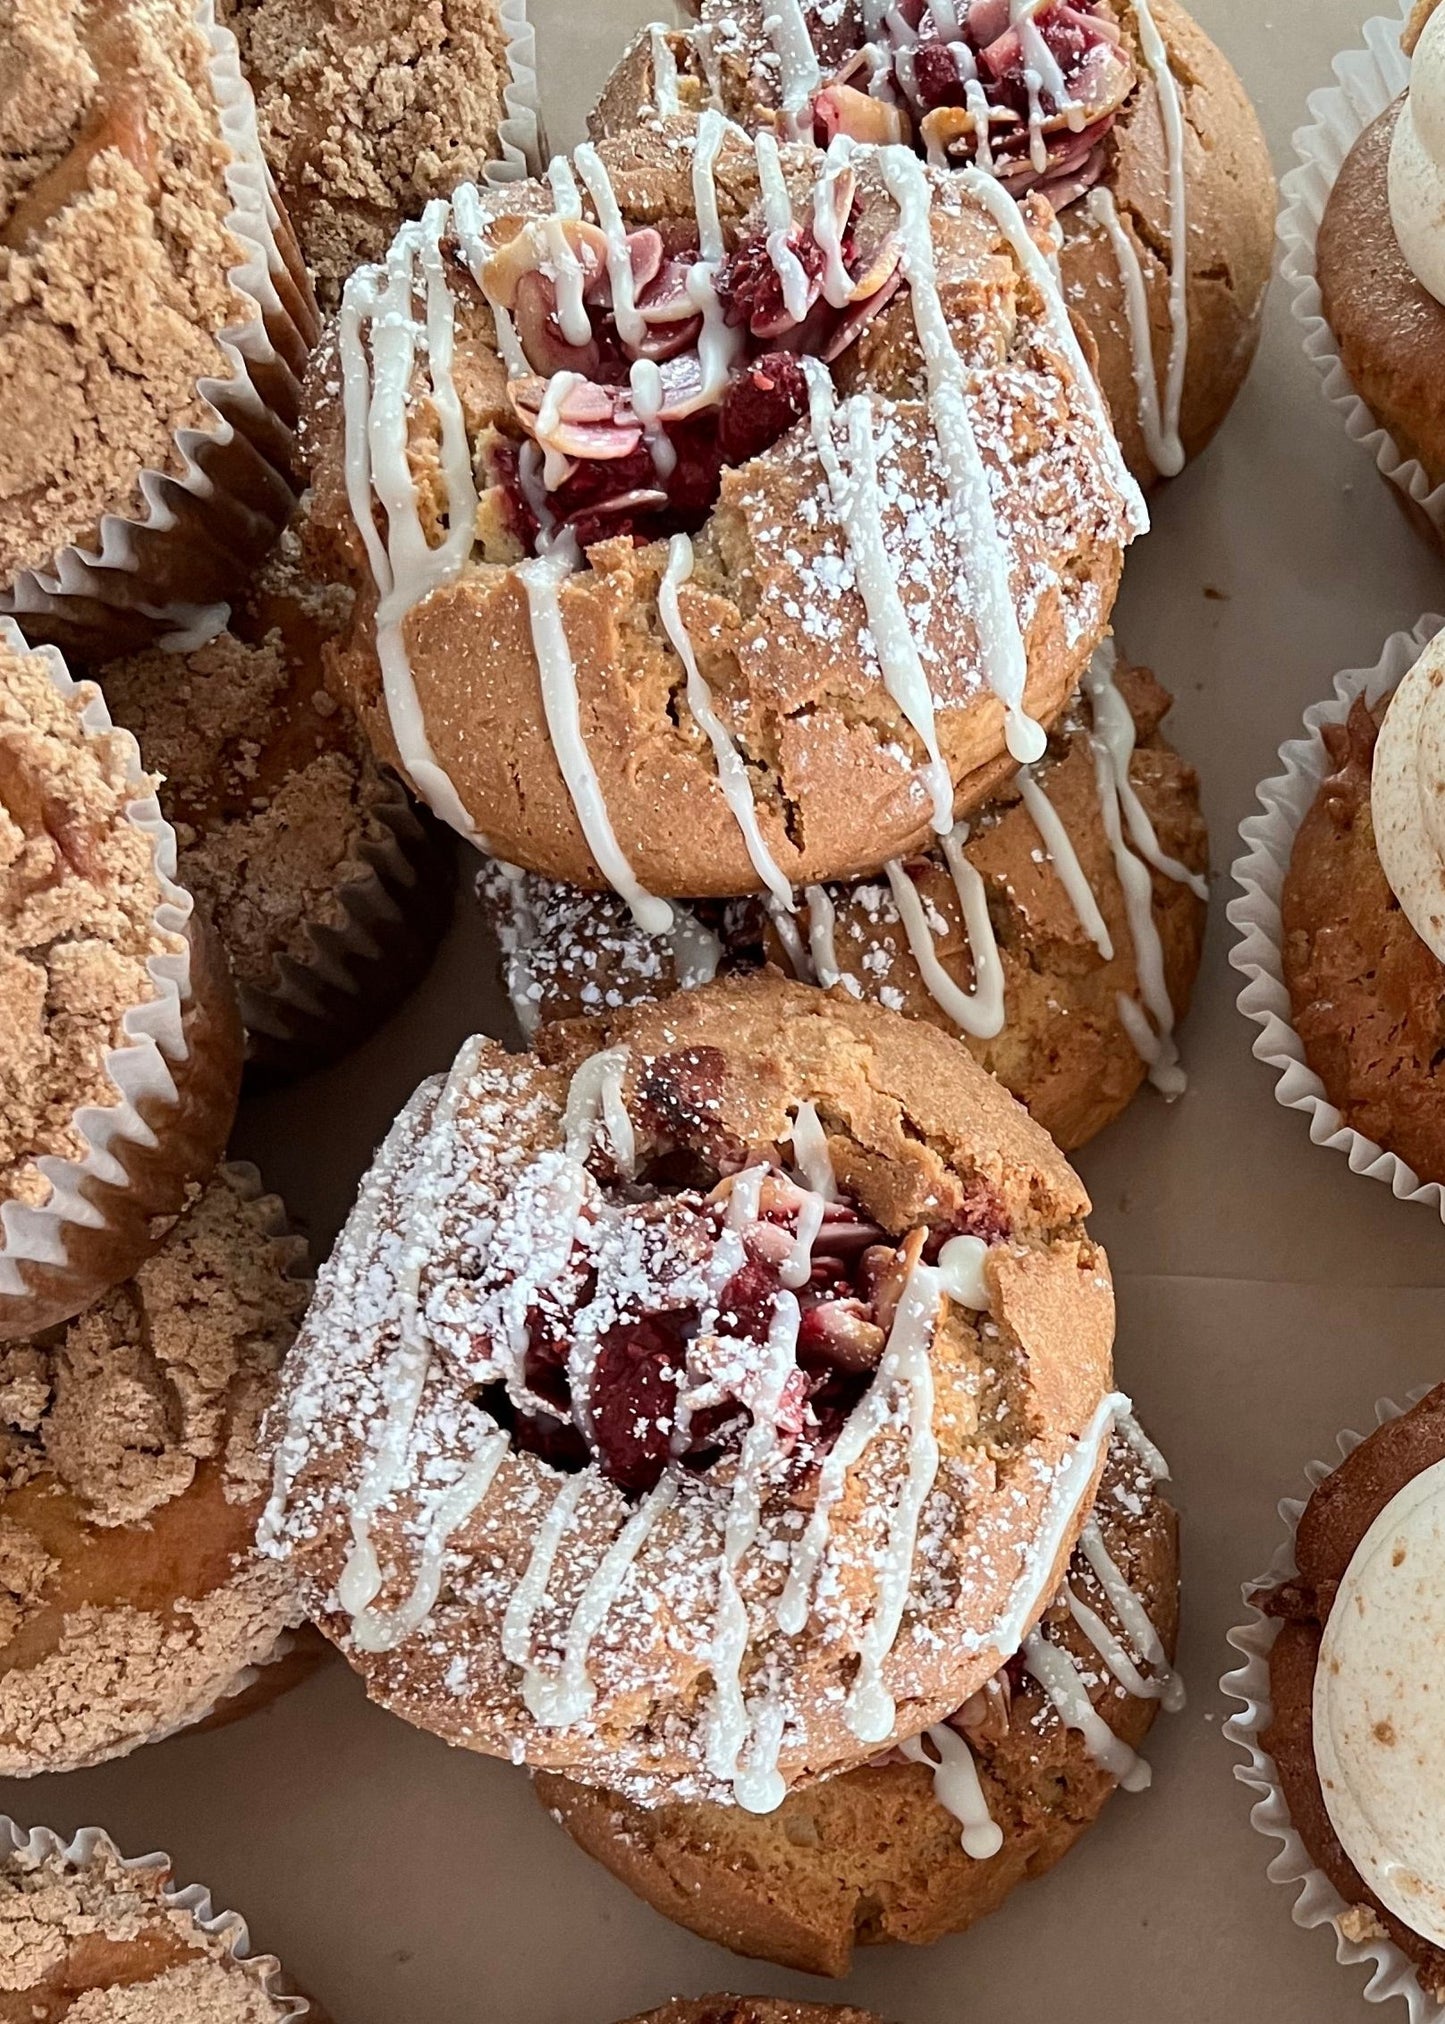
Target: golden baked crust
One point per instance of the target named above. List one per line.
(79, 897)
(1335, 1520)
(369, 110)
(99, 1937)
(131, 1478)
(1063, 1051)
(873, 1855)
(1229, 193)
(1390, 330)
(778, 625)
(329, 891)
(1368, 996)
(918, 1136)
(114, 260)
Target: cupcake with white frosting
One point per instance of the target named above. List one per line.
(1364, 231)
(1343, 917)
(1342, 1719)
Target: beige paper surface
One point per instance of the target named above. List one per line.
(1267, 1297)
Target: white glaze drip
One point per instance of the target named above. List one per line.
(981, 1011)
(645, 381)
(526, 1598)
(1059, 1677)
(631, 325)
(594, 1097)
(542, 580)
(810, 1149)
(827, 228)
(858, 504)
(956, 1787)
(961, 1268)
(790, 937)
(1059, 845)
(471, 238)
(819, 963)
(786, 27)
(732, 774)
(664, 72)
(1000, 637)
(778, 217)
(1171, 112)
(1166, 1684)
(696, 951)
(1114, 725)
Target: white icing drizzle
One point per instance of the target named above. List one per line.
(1171, 112)
(718, 343)
(956, 1786)
(374, 1632)
(631, 324)
(1165, 1686)
(707, 56)
(595, 1097)
(375, 398)
(981, 1011)
(526, 1598)
(557, 1699)
(556, 468)
(815, 1163)
(732, 774)
(566, 269)
(786, 27)
(778, 217)
(1129, 1431)
(711, 132)
(696, 950)
(471, 237)
(1059, 845)
(961, 1268)
(1114, 727)
(542, 580)
(1037, 271)
(1165, 451)
(664, 72)
(645, 381)
(1057, 1674)
(819, 963)
(402, 1384)
(907, 1360)
(858, 504)
(827, 228)
(1000, 637)
(790, 937)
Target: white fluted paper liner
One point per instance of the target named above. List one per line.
(1369, 82)
(1317, 1902)
(521, 137)
(41, 1844)
(152, 1072)
(209, 521)
(394, 907)
(1260, 875)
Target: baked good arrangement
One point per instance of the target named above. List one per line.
(566, 704)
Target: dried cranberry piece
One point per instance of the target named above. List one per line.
(635, 1383)
(761, 404)
(745, 1306)
(750, 288)
(936, 76)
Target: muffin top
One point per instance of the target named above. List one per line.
(265, 775)
(79, 893)
(114, 258)
(97, 1941)
(131, 1474)
(367, 108)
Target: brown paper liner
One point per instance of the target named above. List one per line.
(208, 520)
(177, 1079)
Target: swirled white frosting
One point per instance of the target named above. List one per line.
(1417, 161)
(1407, 796)
(1379, 1707)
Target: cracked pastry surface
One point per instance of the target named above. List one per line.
(368, 111)
(79, 894)
(614, 1409)
(95, 1941)
(132, 1475)
(1062, 1048)
(772, 610)
(114, 260)
(1335, 1520)
(874, 1854)
(1108, 174)
(1368, 995)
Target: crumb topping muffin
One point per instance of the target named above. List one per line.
(114, 260)
(911, 1847)
(556, 1368)
(368, 111)
(328, 890)
(88, 1936)
(132, 1474)
(79, 896)
(1335, 1522)
(1367, 993)
(1003, 939)
(887, 538)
